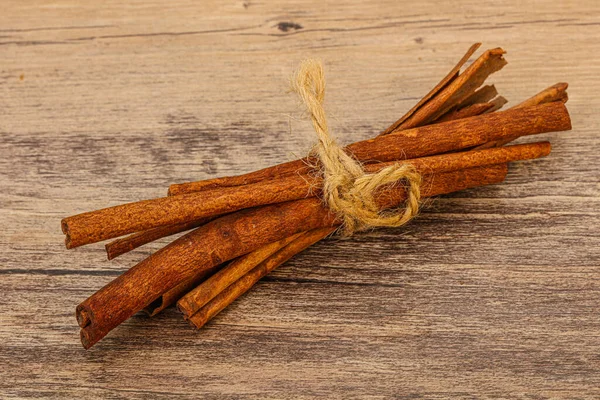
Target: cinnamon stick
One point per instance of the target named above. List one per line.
(455, 92)
(172, 295)
(231, 273)
(497, 104)
(418, 142)
(207, 308)
(482, 95)
(483, 100)
(251, 259)
(466, 112)
(451, 76)
(229, 237)
(135, 240)
(555, 93)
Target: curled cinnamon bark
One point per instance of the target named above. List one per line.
(254, 258)
(482, 95)
(135, 240)
(451, 136)
(554, 94)
(454, 93)
(557, 92)
(451, 76)
(203, 310)
(466, 112)
(231, 273)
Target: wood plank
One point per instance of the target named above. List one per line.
(491, 292)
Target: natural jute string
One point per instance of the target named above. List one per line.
(347, 189)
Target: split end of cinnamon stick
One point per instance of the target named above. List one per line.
(556, 92)
(64, 226)
(83, 318)
(87, 333)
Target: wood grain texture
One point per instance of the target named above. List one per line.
(490, 293)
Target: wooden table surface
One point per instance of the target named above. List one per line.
(492, 292)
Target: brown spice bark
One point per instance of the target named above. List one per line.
(466, 112)
(454, 93)
(135, 240)
(482, 95)
(229, 237)
(451, 76)
(171, 296)
(557, 92)
(222, 299)
(554, 94)
(497, 104)
(418, 142)
(231, 273)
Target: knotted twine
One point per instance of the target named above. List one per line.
(348, 190)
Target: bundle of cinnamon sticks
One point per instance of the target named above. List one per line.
(242, 227)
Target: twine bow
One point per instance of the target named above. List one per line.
(347, 189)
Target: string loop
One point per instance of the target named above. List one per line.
(347, 189)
